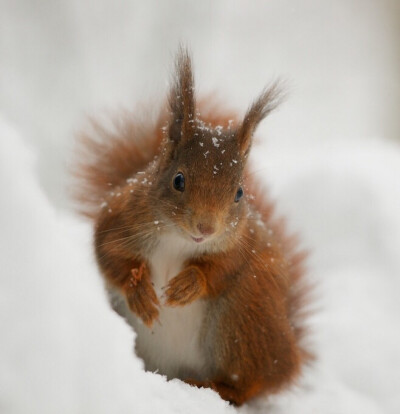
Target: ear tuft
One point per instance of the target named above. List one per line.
(268, 100)
(181, 98)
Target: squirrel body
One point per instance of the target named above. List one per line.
(189, 248)
(172, 346)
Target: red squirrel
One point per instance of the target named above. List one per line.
(189, 248)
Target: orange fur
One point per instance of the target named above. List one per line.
(249, 273)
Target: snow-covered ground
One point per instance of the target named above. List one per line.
(326, 157)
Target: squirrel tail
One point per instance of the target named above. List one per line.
(107, 156)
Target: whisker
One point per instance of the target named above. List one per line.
(128, 226)
(133, 227)
(147, 231)
(251, 252)
(259, 259)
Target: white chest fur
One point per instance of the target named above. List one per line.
(172, 346)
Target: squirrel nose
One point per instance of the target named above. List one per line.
(205, 229)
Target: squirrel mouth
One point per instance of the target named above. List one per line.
(198, 239)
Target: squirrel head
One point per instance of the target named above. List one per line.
(200, 178)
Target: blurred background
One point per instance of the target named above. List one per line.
(330, 155)
(62, 60)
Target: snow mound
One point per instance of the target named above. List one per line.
(63, 350)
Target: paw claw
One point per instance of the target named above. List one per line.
(184, 288)
(140, 295)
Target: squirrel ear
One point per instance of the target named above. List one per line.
(181, 98)
(269, 99)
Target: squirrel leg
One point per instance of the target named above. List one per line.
(234, 394)
(140, 294)
(189, 285)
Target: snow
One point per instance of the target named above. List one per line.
(215, 141)
(64, 350)
(327, 159)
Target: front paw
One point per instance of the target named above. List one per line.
(186, 287)
(140, 295)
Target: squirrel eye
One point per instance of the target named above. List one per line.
(239, 194)
(179, 182)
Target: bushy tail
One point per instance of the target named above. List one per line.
(107, 156)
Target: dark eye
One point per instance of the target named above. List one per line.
(179, 182)
(239, 194)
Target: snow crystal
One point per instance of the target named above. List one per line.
(215, 142)
(260, 223)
